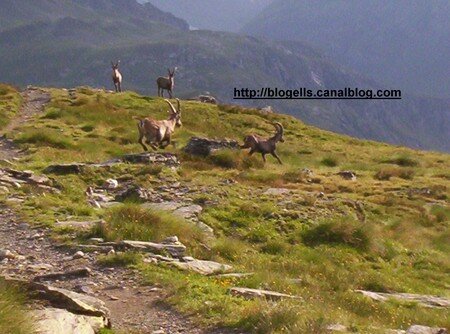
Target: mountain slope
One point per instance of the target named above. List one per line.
(15, 13)
(226, 15)
(70, 51)
(299, 228)
(404, 44)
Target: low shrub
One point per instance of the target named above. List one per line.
(330, 162)
(385, 174)
(338, 232)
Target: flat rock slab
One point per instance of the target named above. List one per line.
(72, 301)
(146, 158)
(58, 321)
(257, 293)
(424, 300)
(277, 191)
(202, 267)
(176, 250)
(79, 225)
(417, 329)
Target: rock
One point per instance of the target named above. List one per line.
(188, 211)
(4, 190)
(168, 159)
(78, 255)
(94, 248)
(267, 110)
(204, 146)
(177, 250)
(277, 191)
(6, 254)
(134, 193)
(84, 289)
(53, 321)
(235, 275)
(72, 301)
(171, 240)
(424, 300)
(80, 225)
(417, 329)
(96, 240)
(256, 293)
(75, 168)
(207, 99)
(202, 267)
(111, 184)
(347, 175)
(76, 273)
(337, 328)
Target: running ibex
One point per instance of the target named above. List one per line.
(265, 146)
(116, 76)
(158, 133)
(166, 83)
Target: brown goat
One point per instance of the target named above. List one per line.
(166, 83)
(158, 133)
(265, 146)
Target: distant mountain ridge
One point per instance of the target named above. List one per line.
(69, 49)
(18, 12)
(218, 15)
(402, 43)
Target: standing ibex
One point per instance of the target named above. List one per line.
(166, 83)
(116, 76)
(265, 146)
(158, 132)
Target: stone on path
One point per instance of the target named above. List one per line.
(58, 321)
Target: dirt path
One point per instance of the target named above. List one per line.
(34, 101)
(134, 307)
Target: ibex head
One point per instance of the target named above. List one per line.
(280, 131)
(116, 65)
(175, 113)
(171, 73)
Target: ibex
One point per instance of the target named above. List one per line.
(166, 83)
(265, 146)
(158, 133)
(116, 76)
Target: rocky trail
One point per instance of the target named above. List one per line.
(29, 255)
(33, 102)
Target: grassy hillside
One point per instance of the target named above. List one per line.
(74, 42)
(386, 231)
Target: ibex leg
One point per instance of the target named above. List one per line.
(276, 156)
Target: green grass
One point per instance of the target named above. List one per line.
(323, 240)
(9, 104)
(13, 317)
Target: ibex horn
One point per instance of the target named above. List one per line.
(179, 106)
(171, 106)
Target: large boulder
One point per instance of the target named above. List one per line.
(417, 329)
(204, 146)
(56, 321)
